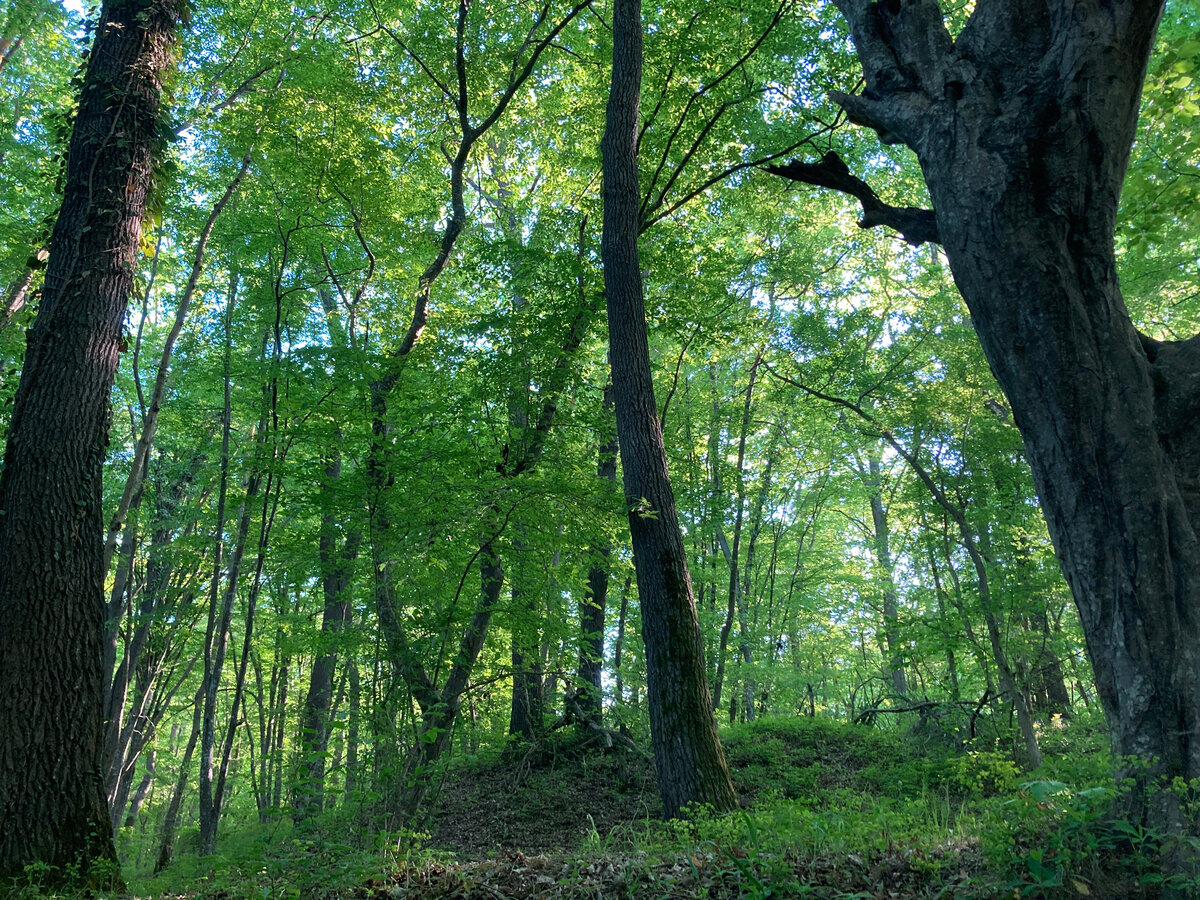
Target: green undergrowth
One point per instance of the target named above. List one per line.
(828, 811)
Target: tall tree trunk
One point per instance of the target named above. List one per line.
(975, 543)
(440, 709)
(887, 575)
(591, 610)
(750, 686)
(52, 604)
(145, 441)
(127, 728)
(1023, 127)
(143, 789)
(687, 754)
(166, 845)
(350, 786)
(736, 599)
(220, 617)
(381, 389)
(528, 687)
(619, 643)
(337, 567)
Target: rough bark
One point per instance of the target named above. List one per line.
(51, 573)
(688, 757)
(1023, 126)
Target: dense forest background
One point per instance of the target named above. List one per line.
(362, 489)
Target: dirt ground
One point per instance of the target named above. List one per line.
(541, 803)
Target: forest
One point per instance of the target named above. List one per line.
(572, 448)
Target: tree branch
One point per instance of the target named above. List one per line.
(917, 226)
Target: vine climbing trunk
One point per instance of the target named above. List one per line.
(690, 763)
(52, 800)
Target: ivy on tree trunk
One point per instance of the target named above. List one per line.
(53, 806)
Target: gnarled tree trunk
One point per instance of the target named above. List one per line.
(1023, 126)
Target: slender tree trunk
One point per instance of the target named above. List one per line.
(736, 598)
(221, 615)
(750, 685)
(52, 803)
(337, 567)
(166, 846)
(687, 754)
(619, 643)
(131, 495)
(528, 687)
(887, 576)
(438, 717)
(121, 748)
(951, 663)
(350, 787)
(591, 611)
(18, 293)
(143, 789)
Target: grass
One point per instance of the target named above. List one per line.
(828, 811)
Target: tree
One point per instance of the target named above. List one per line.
(52, 573)
(687, 754)
(1022, 125)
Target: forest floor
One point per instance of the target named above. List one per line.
(827, 811)
(548, 822)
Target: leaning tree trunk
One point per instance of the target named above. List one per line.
(53, 807)
(690, 763)
(1023, 127)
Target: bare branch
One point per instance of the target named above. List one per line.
(917, 226)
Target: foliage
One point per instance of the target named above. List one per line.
(788, 348)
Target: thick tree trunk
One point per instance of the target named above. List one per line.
(1023, 127)
(690, 763)
(52, 802)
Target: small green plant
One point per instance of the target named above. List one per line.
(983, 773)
